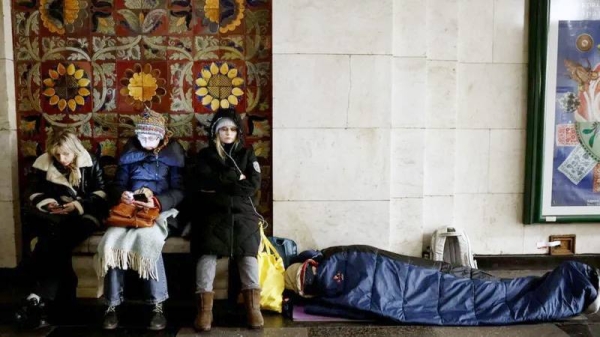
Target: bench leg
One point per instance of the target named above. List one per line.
(89, 285)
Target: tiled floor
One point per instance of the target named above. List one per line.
(580, 328)
(85, 320)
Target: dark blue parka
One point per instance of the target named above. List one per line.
(161, 172)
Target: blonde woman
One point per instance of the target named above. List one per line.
(68, 204)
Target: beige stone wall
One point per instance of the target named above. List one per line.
(332, 99)
(395, 117)
(9, 193)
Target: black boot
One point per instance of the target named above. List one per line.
(32, 314)
(111, 320)
(158, 320)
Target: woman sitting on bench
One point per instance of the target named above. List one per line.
(67, 206)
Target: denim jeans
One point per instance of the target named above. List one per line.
(206, 268)
(154, 291)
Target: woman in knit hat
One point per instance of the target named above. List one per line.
(229, 177)
(68, 204)
(149, 175)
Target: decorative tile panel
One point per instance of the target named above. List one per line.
(93, 65)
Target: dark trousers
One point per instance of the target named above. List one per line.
(50, 267)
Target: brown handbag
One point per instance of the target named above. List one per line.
(124, 215)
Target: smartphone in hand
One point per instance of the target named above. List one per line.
(55, 208)
(140, 197)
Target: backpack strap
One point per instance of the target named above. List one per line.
(438, 241)
(466, 253)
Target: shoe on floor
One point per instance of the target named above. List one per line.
(158, 320)
(32, 314)
(111, 320)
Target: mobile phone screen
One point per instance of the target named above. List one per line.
(140, 197)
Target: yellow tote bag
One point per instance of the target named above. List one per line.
(271, 275)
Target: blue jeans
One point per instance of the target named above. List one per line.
(154, 291)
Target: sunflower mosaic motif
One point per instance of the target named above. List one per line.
(221, 15)
(61, 16)
(219, 86)
(143, 86)
(66, 87)
(91, 65)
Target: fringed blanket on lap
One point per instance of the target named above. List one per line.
(133, 248)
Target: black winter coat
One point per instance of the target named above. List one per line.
(227, 224)
(49, 184)
(161, 173)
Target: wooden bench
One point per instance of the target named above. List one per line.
(90, 286)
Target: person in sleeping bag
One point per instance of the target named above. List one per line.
(413, 290)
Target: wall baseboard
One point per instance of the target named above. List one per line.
(486, 262)
(524, 262)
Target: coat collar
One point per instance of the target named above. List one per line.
(235, 153)
(44, 163)
(171, 155)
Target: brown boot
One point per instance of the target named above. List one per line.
(252, 303)
(204, 318)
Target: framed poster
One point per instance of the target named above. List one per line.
(563, 123)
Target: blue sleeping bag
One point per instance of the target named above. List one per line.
(371, 280)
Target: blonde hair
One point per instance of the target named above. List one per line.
(219, 145)
(66, 139)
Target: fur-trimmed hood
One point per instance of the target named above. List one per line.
(45, 163)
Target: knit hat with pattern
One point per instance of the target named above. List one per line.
(151, 123)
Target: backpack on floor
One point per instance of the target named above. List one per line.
(286, 248)
(453, 246)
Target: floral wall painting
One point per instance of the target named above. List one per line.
(93, 65)
(66, 86)
(142, 86)
(219, 86)
(563, 153)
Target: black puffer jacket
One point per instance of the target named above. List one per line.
(50, 184)
(227, 224)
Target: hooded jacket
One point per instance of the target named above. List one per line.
(227, 224)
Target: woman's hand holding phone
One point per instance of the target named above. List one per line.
(145, 204)
(127, 197)
(143, 197)
(51, 206)
(61, 209)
